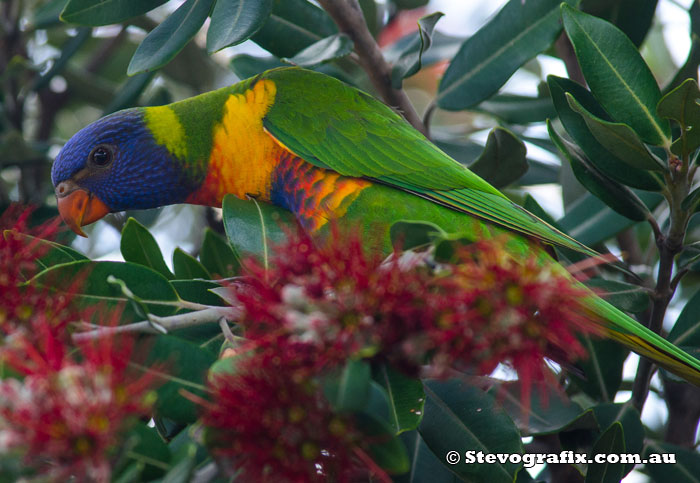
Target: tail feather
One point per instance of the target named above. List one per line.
(622, 328)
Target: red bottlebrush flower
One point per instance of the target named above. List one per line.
(272, 422)
(66, 415)
(489, 307)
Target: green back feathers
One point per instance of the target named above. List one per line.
(335, 126)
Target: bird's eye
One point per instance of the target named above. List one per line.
(101, 156)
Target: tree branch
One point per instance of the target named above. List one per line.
(173, 322)
(347, 14)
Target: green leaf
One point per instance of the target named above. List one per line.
(385, 449)
(89, 286)
(407, 235)
(681, 104)
(253, 227)
(545, 413)
(619, 198)
(348, 390)
(669, 462)
(330, 48)
(180, 365)
(686, 330)
(139, 246)
(628, 416)
(406, 398)
(46, 15)
(618, 138)
(216, 255)
(234, 21)
(487, 59)
(610, 442)
(184, 467)
(198, 291)
(590, 221)
(186, 266)
(502, 160)
(244, 65)
(105, 12)
(617, 75)
(624, 296)
(425, 465)
(129, 93)
(409, 62)
(515, 109)
(459, 417)
(602, 368)
(54, 253)
(148, 449)
(692, 201)
(165, 41)
(292, 26)
(609, 164)
(689, 257)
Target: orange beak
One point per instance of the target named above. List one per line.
(78, 207)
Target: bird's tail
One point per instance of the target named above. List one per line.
(622, 328)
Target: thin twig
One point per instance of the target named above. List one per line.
(347, 14)
(173, 322)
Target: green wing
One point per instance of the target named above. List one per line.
(335, 126)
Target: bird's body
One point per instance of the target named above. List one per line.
(324, 151)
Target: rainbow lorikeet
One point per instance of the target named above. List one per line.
(324, 151)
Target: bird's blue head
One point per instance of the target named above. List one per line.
(115, 164)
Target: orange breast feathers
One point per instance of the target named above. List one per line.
(243, 155)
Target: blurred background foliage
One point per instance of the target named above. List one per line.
(481, 99)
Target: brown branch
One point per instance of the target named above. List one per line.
(347, 14)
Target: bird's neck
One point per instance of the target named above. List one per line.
(219, 140)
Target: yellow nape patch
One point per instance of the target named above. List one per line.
(243, 155)
(167, 130)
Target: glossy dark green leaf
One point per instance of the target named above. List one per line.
(503, 159)
(425, 465)
(253, 227)
(46, 15)
(515, 109)
(87, 280)
(406, 235)
(618, 197)
(590, 221)
(486, 60)
(198, 291)
(692, 201)
(576, 127)
(545, 412)
(602, 368)
(681, 105)
(105, 12)
(442, 47)
(610, 442)
(624, 296)
(148, 448)
(539, 173)
(406, 398)
(410, 60)
(217, 256)
(186, 266)
(129, 93)
(165, 41)
(686, 329)
(633, 430)
(689, 258)
(617, 75)
(330, 48)
(618, 138)
(234, 21)
(139, 246)
(348, 390)
(53, 253)
(179, 365)
(292, 26)
(669, 462)
(460, 417)
(386, 450)
(245, 66)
